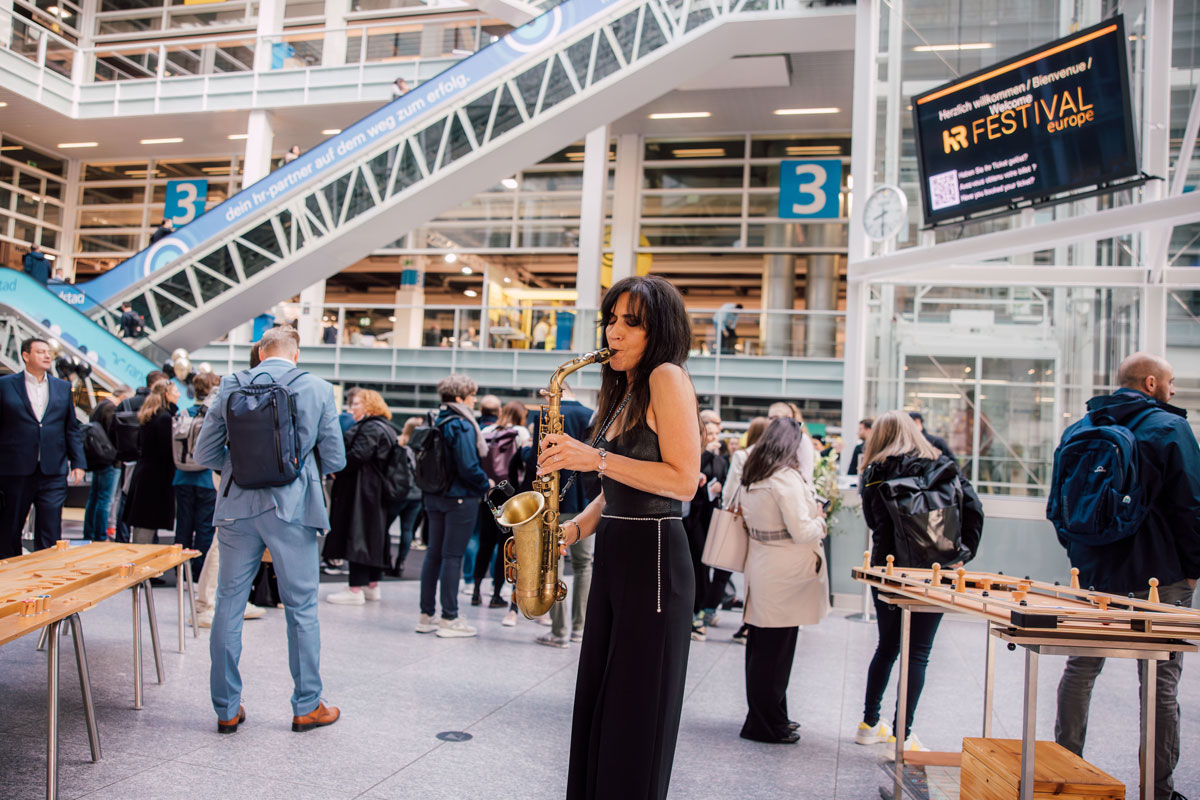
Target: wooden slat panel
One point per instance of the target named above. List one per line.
(991, 768)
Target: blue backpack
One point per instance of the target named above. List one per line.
(263, 431)
(1096, 495)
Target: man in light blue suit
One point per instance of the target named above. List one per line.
(285, 519)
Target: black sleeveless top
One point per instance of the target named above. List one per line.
(640, 443)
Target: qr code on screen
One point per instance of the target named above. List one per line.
(943, 190)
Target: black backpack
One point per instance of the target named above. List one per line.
(395, 469)
(127, 435)
(926, 512)
(97, 449)
(435, 466)
(263, 430)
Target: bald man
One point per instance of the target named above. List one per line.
(1166, 546)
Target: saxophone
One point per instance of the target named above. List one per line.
(531, 554)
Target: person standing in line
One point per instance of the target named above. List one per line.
(505, 438)
(104, 479)
(713, 467)
(489, 413)
(130, 404)
(936, 441)
(897, 449)
(150, 504)
(577, 420)
(452, 516)
(36, 265)
(808, 452)
(40, 449)
(408, 510)
(633, 661)
(733, 481)
(1166, 546)
(287, 519)
(786, 577)
(195, 493)
(358, 530)
(864, 433)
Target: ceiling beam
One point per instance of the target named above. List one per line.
(1045, 236)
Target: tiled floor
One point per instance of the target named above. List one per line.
(397, 690)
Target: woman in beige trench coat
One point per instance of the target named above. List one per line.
(786, 576)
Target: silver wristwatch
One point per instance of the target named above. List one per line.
(603, 463)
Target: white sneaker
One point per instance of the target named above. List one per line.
(576, 636)
(204, 618)
(456, 628)
(911, 744)
(372, 593)
(510, 619)
(550, 640)
(252, 612)
(426, 624)
(880, 733)
(346, 598)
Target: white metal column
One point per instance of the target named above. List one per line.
(591, 233)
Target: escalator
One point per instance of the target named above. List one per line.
(27, 309)
(582, 64)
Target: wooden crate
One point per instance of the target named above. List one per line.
(991, 770)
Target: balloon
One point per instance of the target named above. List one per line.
(92, 357)
(55, 330)
(55, 347)
(83, 370)
(182, 368)
(179, 353)
(64, 367)
(204, 368)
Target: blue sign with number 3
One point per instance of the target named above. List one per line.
(185, 200)
(810, 189)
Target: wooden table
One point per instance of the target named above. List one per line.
(42, 590)
(1043, 619)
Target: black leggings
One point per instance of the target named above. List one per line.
(491, 537)
(920, 642)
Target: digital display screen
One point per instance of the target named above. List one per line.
(1051, 119)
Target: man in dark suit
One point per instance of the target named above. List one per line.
(936, 441)
(38, 436)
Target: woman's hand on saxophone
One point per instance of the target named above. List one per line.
(562, 452)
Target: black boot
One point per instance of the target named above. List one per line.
(476, 598)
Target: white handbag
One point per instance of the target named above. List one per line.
(728, 538)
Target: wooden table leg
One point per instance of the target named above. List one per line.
(52, 710)
(989, 680)
(85, 686)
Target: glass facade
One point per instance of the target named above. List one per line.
(32, 200)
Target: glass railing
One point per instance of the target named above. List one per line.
(109, 318)
(787, 334)
(412, 42)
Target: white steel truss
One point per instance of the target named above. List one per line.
(505, 123)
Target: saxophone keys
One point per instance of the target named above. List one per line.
(560, 591)
(510, 572)
(509, 554)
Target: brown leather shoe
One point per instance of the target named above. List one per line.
(319, 717)
(231, 725)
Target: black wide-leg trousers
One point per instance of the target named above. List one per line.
(769, 656)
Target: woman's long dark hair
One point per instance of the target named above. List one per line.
(660, 311)
(778, 448)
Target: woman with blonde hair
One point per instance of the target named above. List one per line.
(896, 452)
(358, 515)
(150, 504)
(787, 582)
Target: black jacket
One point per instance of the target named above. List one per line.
(103, 415)
(939, 443)
(358, 514)
(883, 541)
(1167, 546)
(151, 499)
